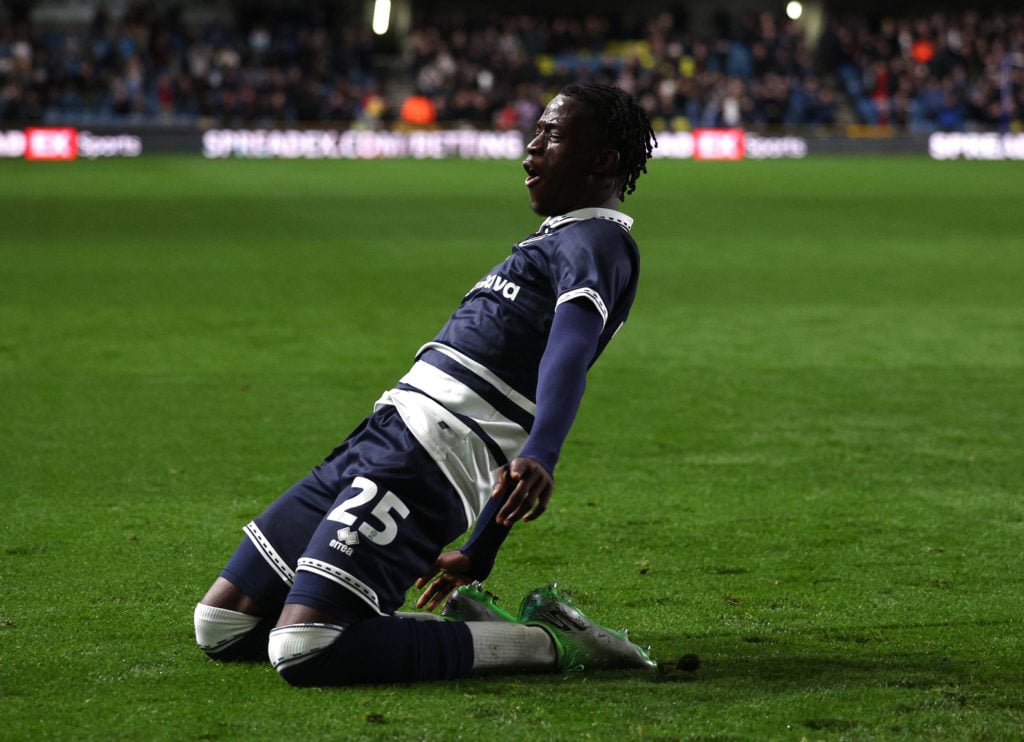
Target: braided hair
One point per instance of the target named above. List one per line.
(626, 127)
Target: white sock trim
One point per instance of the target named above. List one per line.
(420, 616)
(219, 628)
(501, 645)
(290, 645)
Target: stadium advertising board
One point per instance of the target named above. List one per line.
(50, 143)
(718, 144)
(362, 145)
(55, 143)
(12, 143)
(976, 146)
(728, 144)
(701, 144)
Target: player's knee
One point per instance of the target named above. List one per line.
(225, 634)
(298, 652)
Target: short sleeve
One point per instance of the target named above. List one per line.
(592, 262)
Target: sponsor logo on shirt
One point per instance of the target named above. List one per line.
(499, 285)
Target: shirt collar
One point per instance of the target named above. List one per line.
(554, 222)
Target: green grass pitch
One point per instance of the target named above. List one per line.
(801, 460)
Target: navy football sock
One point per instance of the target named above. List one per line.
(384, 649)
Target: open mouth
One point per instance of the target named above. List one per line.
(532, 178)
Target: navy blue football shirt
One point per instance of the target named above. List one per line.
(504, 320)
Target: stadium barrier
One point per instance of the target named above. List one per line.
(68, 143)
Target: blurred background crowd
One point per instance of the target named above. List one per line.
(950, 71)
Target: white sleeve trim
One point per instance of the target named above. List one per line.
(590, 295)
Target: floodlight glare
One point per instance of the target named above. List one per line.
(794, 10)
(381, 16)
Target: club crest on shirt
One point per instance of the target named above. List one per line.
(499, 285)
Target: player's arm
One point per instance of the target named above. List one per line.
(524, 486)
(527, 482)
(583, 278)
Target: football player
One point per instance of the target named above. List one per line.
(471, 434)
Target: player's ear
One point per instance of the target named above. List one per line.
(606, 162)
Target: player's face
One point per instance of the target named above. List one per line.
(560, 159)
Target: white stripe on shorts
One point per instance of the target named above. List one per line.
(269, 553)
(341, 577)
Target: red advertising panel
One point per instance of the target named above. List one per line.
(51, 143)
(718, 144)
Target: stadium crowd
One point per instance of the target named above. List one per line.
(761, 75)
(149, 65)
(936, 72)
(940, 72)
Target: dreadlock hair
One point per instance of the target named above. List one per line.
(625, 126)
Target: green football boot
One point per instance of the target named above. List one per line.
(580, 643)
(473, 603)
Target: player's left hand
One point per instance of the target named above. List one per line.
(451, 571)
(532, 487)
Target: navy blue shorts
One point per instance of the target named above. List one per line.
(353, 536)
